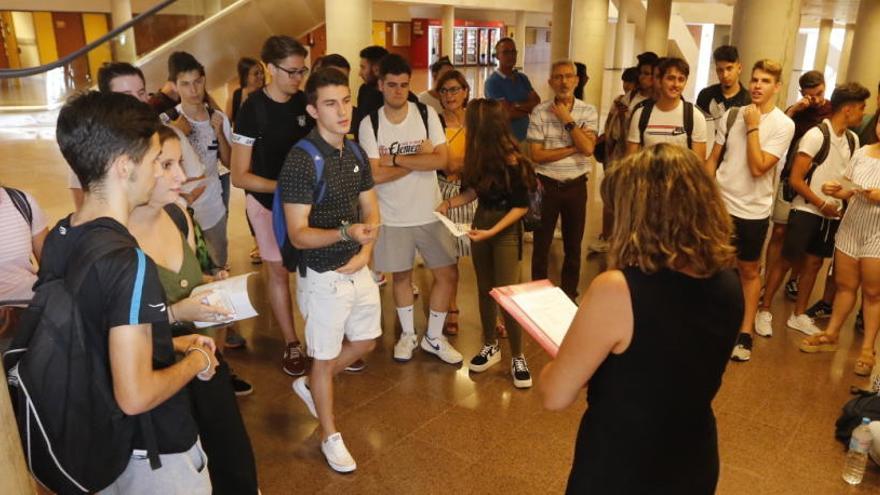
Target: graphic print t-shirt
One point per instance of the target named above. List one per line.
(667, 127)
(410, 200)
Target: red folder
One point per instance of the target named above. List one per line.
(502, 296)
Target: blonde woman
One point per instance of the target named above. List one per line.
(651, 378)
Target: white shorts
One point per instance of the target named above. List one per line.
(336, 305)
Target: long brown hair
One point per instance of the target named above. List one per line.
(668, 213)
(490, 146)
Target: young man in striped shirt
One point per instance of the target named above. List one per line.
(562, 136)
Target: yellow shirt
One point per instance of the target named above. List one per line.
(455, 139)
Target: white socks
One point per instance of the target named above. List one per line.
(435, 324)
(407, 323)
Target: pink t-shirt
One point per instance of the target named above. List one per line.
(17, 270)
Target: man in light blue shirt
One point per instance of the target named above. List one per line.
(512, 88)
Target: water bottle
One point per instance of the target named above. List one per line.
(857, 457)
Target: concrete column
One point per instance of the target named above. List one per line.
(448, 33)
(845, 53)
(620, 33)
(825, 27)
(863, 66)
(123, 44)
(348, 34)
(758, 33)
(519, 35)
(591, 17)
(560, 30)
(657, 26)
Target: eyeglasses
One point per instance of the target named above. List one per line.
(302, 72)
(567, 77)
(450, 91)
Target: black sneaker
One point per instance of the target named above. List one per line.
(489, 356)
(240, 386)
(860, 322)
(819, 310)
(791, 289)
(519, 370)
(742, 351)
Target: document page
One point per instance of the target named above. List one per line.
(550, 309)
(231, 294)
(457, 229)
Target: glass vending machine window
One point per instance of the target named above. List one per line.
(458, 53)
(471, 46)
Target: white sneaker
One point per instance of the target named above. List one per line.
(337, 454)
(403, 349)
(802, 323)
(764, 323)
(441, 348)
(302, 390)
(598, 245)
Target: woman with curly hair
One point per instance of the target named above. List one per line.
(653, 334)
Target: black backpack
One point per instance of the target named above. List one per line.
(648, 105)
(731, 118)
(75, 437)
(863, 406)
(788, 192)
(423, 113)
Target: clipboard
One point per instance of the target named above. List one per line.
(541, 308)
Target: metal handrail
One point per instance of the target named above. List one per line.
(30, 71)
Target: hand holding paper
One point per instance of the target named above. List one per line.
(231, 295)
(457, 230)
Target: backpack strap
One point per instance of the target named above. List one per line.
(19, 199)
(644, 117)
(178, 217)
(356, 151)
(731, 119)
(689, 122)
(822, 154)
(851, 141)
(88, 250)
(318, 159)
(374, 121)
(423, 112)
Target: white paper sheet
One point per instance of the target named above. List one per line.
(457, 229)
(231, 294)
(550, 309)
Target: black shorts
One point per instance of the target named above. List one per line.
(749, 237)
(810, 234)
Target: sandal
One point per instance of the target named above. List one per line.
(864, 363)
(451, 327)
(821, 342)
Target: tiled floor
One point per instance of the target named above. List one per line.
(427, 427)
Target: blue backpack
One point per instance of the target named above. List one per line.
(291, 256)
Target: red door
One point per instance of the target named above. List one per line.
(69, 37)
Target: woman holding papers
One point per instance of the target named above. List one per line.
(164, 231)
(653, 334)
(857, 255)
(501, 177)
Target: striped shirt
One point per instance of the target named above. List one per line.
(17, 270)
(859, 233)
(546, 129)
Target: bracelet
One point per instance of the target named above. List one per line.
(823, 204)
(207, 358)
(754, 129)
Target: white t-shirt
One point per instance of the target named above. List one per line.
(428, 99)
(208, 209)
(831, 169)
(17, 270)
(747, 197)
(667, 127)
(410, 200)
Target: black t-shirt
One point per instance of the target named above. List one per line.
(123, 288)
(712, 102)
(510, 192)
(345, 177)
(271, 139)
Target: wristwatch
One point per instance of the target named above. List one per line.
(570, 126)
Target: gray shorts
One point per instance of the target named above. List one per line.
(217, 242)
(396, 247)
(185, 473)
